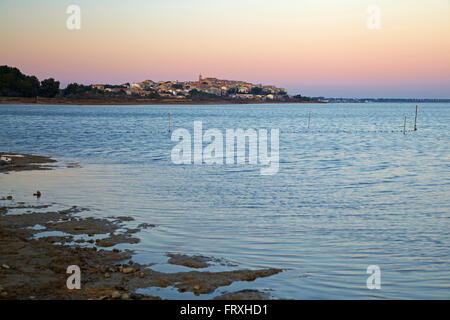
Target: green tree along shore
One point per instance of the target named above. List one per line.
(15, 84)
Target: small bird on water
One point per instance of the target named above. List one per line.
(37, 194)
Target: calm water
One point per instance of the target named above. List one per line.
(352, 191)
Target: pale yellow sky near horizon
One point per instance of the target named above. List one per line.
(316, 47)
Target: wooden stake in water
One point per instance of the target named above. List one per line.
(169, 121)
(404, 126)
(309, 119)
(415, 121)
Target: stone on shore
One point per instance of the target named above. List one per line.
(127, 270)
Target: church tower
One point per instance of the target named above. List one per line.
(200, 78)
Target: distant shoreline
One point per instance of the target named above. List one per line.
(66, 101)
(143, 101)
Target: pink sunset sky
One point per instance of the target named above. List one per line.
(312, 47)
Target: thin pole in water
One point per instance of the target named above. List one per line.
(415, 120)
(309, 119)
(404, 126)
(169, 121)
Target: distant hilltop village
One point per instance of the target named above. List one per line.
(16, 87)
(206, 87)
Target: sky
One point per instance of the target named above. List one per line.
(311, 47)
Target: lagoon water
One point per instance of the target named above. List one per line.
(351, 191)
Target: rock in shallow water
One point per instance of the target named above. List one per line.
(127, 270)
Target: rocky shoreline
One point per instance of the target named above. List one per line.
(23, 162)
(34, 266)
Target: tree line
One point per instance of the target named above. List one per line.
(14, 83)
